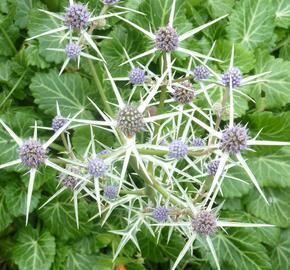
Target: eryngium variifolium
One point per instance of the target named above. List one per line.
(32, 153)
(163, 160)
(130, 121)
(204, 223)
(166, 39)
(234, 75)
(77, 16)
(234, 139)
(184, 92)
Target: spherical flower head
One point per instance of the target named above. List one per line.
(234, 139)
(201, 73)
(32, 153)
(68, 180)
(58, 122)
(204, 223)
(166, 39)
(235, 75)
(96, 167)
(183, 94)
(198, 142)
(137, 76)
(130, 121)
(111, 192)
(160, 213)
(177, 149)
(212, 167)
(77, 16)
(72, 50)
(110, 2)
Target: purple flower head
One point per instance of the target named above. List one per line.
(58, 122)
(160, 213)
(201, 73)
(137, 76)
(96, 167)
(184, 93)
(111, 192)
(234, 139)
(32, 153)
(110, 2)
(72, 50)
(130, 121)
(212, 167)
(68, 180)
(166, 39)
(198, 142)
(104, 152)
(204, 223)
(77, 16)
(177, 149)
(236, 76)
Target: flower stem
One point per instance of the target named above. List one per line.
(100, 88)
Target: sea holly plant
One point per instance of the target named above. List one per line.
(145, 134)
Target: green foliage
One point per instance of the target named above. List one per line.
(30, 85)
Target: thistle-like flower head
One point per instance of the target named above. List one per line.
(73, 50)
(212, 167)
(32, 153)
(68, 180)
(177, 149)
(58, 122)
(204, 223)
(235, 75)
(111, 192)
(201, 73)
(198, 142)
(77, 16)
(130, 120)
(96, 167)
(137, 76)
(166, 39)
(183, 94)
(110, 2)
(160, 213)
(234, 139)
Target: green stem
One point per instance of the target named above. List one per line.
(13, 89)
(100, 88)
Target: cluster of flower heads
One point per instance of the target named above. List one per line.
(168, 156)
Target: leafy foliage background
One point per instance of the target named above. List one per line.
(30, 85)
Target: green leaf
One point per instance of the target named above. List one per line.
(33, 249)
(16, 196)
(70, 90)
(272, 169)
(77, 261)
(23, 8)
(33, 56)
(280, 254)
(283, 13)
(277, 212)
(241, 251)
(274, 126)
(252, 23)
(59, 217)
(39, 22)
(112, 49)
(244, 59)
(5, 217)
(277, 84)
(233, 188)
(220, 7)
(157, 15)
